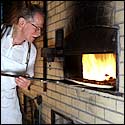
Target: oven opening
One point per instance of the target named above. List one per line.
(95, 70)
(91, 60)
(99, 69)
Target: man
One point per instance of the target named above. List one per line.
(17, 58)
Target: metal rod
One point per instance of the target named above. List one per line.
(31, 78)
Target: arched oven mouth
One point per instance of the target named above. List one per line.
(91, 56)
(94, 48)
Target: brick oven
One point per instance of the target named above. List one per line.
(91, 46)
(89, 30)
(95, 48)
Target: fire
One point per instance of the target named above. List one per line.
(99, 66)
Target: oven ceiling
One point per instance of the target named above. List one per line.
(91, 39)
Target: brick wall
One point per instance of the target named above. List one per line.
(80, 104)
(119, 19)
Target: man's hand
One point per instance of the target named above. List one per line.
(23, 82)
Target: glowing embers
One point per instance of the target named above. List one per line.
(99, 68)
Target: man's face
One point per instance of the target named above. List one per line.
(33, 28)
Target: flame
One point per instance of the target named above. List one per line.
(99, 66)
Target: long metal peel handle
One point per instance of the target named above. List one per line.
(30, 78)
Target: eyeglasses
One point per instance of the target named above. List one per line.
(36, 27)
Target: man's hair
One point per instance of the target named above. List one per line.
(29, 12)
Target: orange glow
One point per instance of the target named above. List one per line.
(99, 66)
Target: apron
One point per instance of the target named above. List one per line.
(12, 62)
(10, 109)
